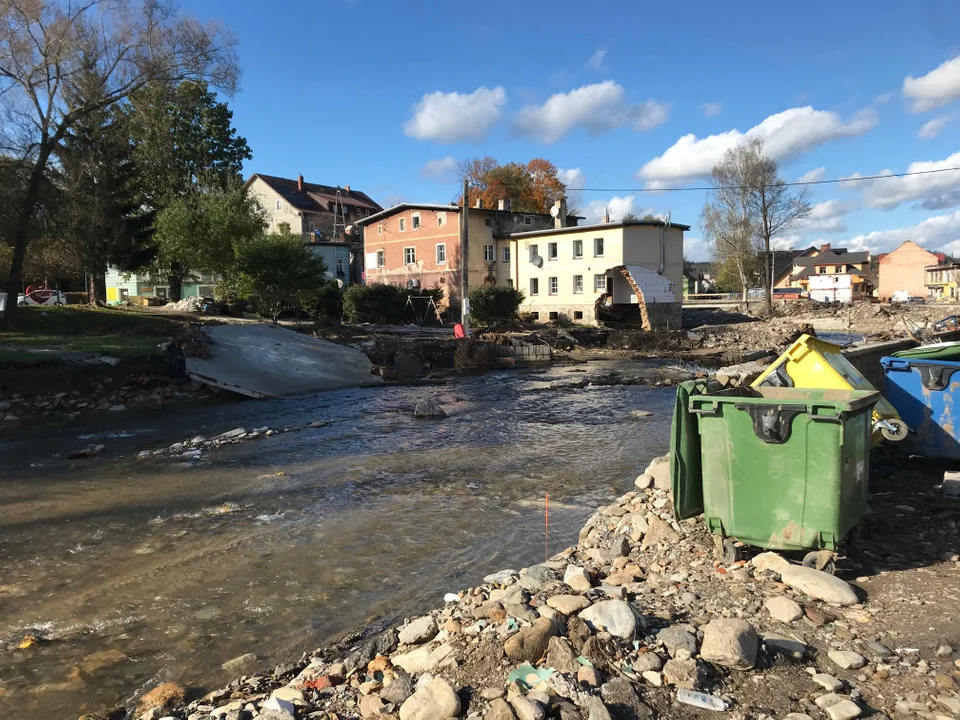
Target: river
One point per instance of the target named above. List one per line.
(138, 571)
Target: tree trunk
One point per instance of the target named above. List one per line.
(768, 276)
(96, 288)
(176, 281)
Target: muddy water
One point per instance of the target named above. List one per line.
(140, 571)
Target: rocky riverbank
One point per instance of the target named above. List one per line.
(639, 618)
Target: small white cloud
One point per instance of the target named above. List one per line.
(697, 249)
(616, 207)
(785, 134)
(935, 233)
(456, 117)
(596, 60)
(443, 169)
(597, 109)
(712, 109)
(932, 128)
(938, 87)
(883, 99)
(828, 217)
(574, 179)
(814, 175)
(934, 190)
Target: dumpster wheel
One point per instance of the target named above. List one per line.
(894, 429)
(727, 549)
(821, 560)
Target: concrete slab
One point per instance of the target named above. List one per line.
(264, 361)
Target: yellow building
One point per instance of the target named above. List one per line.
(942, 281)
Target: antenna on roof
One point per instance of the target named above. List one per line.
(339, 217)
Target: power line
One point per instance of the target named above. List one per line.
(860, 178)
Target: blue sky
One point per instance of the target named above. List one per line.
(386, 96)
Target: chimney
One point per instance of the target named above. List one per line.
(606, 214)
(560, 219)
(478, 204)
(347, 188)
(824, 248)
(503, 204)
(300, 183)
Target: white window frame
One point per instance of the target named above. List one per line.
(489, 253)
(441, 250)
(577, 255)
(380, 229)
(553, 250)
(506, 254)
(534, 286)
(415, 221)
(279, 204)
(441, 219)
(381, 258)
(578, 290)
(339, 265)
(412, 255)
(403, 224)
(553, 286)
(595, 241)
(534, 251)
(599, 283)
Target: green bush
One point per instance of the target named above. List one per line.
(490, 303)
(383, 304)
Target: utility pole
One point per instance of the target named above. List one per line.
(464, 261)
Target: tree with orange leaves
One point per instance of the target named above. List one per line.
(530, 188)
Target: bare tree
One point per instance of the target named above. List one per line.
(50, 52)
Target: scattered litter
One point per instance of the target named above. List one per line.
(528, 676)
(701, 700)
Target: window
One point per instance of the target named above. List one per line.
(598, 247)
(279, 204)
(553, 285)
(441, 219)
(488, 222)
(441, 253)
(381, 259)
(415, 218)
(554, 315)
(379, 229)
(533, 252)
(409, 255)
(535, 315)
(599, 283)
(836, 268)
(489, 253)
(509, 282)
(578, 284)
(578, 314)
(403, 224)
(506, 254)
(822, 269)
(339, 266)
(528, 221)
(534, 286)
(578, 248)
(551, 251)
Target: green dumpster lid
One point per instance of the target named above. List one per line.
(685, 473)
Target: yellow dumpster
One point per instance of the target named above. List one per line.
(811, 363)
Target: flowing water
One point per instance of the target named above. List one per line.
(138, 571)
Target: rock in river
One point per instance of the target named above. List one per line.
(429, 410)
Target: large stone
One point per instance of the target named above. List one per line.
(577, 578)
(819, 585)
(419, 631)
(682, 673)
(847, 659)
(399, 689)
(643, 481)
(783, 609)
(530, 643)
(843, 710)
(500, 710)
(162, 697)
(658, 532)
(429, 409)
(769, 561)
(793, 649)
(613, 616)
(422, 659)
(371, 706)
(434, 701)
(674, 638)
(827, 682)
(596, 710)
(240, 665)
(659, 468)
(500, 578)
(534, 578)
(568, 604)
(730, 642)
(622, 701)
(648, 661)
(527, 709)
(561, 657)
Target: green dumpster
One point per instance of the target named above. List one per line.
(778, 468)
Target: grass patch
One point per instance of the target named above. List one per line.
(120, 333)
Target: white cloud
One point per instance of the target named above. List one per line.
(456, 117)
(814, 175)
(574, 179)
(827, 216)
(616, 207)
(712, 109)
(596, 108)
(442, 170)
(932, 128)
(938, 87)
(696, 250)
(936, 191)
(935, 233)
(784, 135)
(883, 99)
(596, 60)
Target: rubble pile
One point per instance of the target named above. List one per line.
(637, 621)
(191, 449)
(190, 304)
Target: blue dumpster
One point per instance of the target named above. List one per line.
(924, 392)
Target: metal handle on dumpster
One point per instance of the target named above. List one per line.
(772, 424)
(935, 377)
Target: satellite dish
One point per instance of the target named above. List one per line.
(348, 230)
(340, 283)
(537, 260)
(328, 276)
(554, 211)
